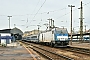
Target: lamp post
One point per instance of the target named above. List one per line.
(9, 20)
(71, 21)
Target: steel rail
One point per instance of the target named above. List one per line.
(48, 54)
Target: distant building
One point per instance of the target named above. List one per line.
(26, 33)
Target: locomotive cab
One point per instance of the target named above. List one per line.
(60, 37)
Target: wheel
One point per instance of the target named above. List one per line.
(52, 45)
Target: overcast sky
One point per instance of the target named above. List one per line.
(27, 14)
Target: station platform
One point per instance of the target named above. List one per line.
(80, 45)
(14, 51)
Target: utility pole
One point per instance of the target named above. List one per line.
(81, 23)
(71, 21)
(9, 20)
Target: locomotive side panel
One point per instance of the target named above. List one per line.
(46, 36)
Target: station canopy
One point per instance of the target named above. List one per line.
(16, 31)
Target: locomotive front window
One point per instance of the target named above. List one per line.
(62, 31)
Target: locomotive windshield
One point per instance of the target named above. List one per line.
(62, 31)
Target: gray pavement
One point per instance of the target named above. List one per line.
(14, 51)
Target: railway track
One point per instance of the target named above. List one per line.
(78, 50)
(72, 52)
(51, 55)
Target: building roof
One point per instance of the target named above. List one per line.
(16, 31)
(12, 31)
(5, 31)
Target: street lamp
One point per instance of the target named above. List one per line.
(9, 20)
(71, 21)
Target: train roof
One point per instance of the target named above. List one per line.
(59, 29)
(33, 35)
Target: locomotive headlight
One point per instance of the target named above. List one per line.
(65, 38)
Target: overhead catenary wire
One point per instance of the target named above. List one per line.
(73, 10)
(36, 6)
(47, 12)
(87, 4)
(63, 9)
(39, 9)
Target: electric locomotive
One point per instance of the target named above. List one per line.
(54, 37)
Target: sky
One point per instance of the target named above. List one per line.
(27, 14)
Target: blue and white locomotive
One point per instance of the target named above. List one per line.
(54, 37)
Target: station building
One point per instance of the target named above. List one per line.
(8, 33)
